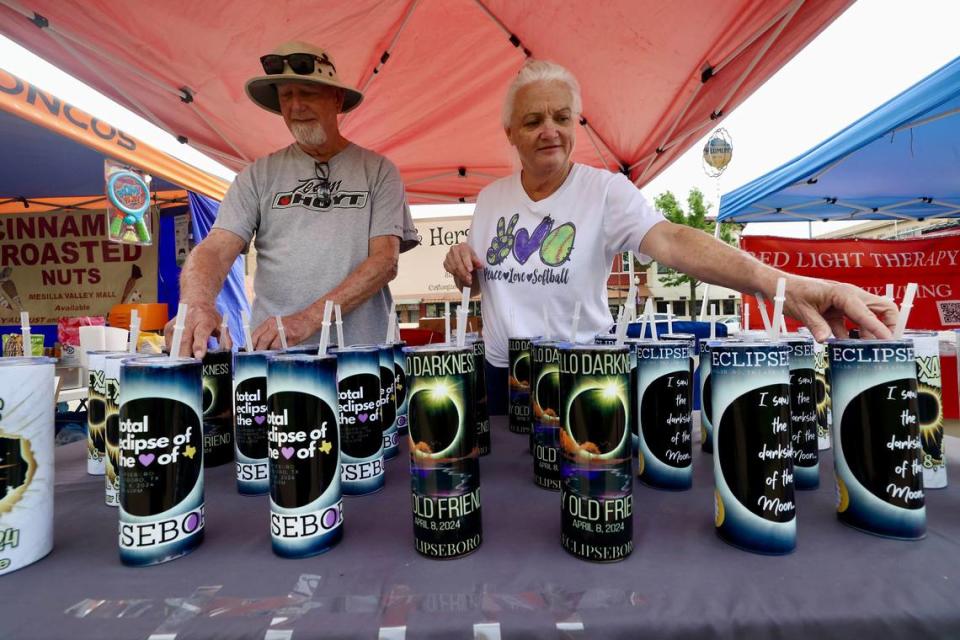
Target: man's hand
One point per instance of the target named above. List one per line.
(297, 327)
(822, 305)
(201, 280)
(461, 261)
(203, 321)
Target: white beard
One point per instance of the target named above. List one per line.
(312, 135)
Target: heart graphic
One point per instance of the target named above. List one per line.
(287, 452)
(259, 419)
(362, 417)
(522, 247)
(526, 244)
(146, 459)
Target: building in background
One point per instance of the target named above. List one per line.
(896, 229)
(677, 299)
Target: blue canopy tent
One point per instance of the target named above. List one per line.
(899, 162)
(42, 170)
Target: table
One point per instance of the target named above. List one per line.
(680, 582)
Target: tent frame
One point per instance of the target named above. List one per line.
(640, 171)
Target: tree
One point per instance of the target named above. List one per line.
(695, 216)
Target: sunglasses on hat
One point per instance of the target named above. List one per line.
(302, 64)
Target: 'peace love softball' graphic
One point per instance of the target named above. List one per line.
(161, 453)
(554, 244)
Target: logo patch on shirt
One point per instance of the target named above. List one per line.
(309, 194)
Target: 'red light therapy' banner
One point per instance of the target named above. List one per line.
(933, 263)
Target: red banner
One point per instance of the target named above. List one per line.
(933, 263)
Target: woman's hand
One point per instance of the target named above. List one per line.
(461, 262)
(823, 305)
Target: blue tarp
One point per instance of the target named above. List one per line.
(39, 163)
(233, 298)
(901, 161)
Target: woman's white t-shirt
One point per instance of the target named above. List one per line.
(552, 253)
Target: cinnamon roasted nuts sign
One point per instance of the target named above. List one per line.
(58, 264)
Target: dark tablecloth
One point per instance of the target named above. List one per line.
(680, 582)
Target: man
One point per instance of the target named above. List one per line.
(328, 218)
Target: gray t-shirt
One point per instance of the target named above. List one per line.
(305, 246)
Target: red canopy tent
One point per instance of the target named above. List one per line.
(655, 75)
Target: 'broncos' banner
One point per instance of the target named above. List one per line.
(933, 263)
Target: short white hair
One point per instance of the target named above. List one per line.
(540, 71)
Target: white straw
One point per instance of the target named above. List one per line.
(224, 328)
(281, 333)
(625, 324)
(25, 333)
(393, 333)
(178, 331)
(576, 322)
(783, 324)
(325, 328)
(446, 321)
(889, 293)
(621, 314)
(746, 315)
(651, 318)
(465, 300)
(669, 320)
(713, 322)
(463, 311)
(247, 336)
(631, 307)
(134, 331)
(546, 325)
(905, 307)
(337, 312)
(778, 300)
(762, 305)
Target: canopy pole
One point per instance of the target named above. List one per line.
(749, 41)
(733, 89)
(212, 127)
(211, 151)
(29, 15)
(389, 50)
(512, 37)
(760, 54)
(593, 141)
(462, 173)
(667, 141)
(666, 138)
(66, 40)
(439, 197)
(98, 70)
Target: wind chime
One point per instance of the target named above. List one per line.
(717, 153)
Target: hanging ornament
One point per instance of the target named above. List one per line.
(717, 153)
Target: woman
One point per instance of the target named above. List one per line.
(546, 237)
